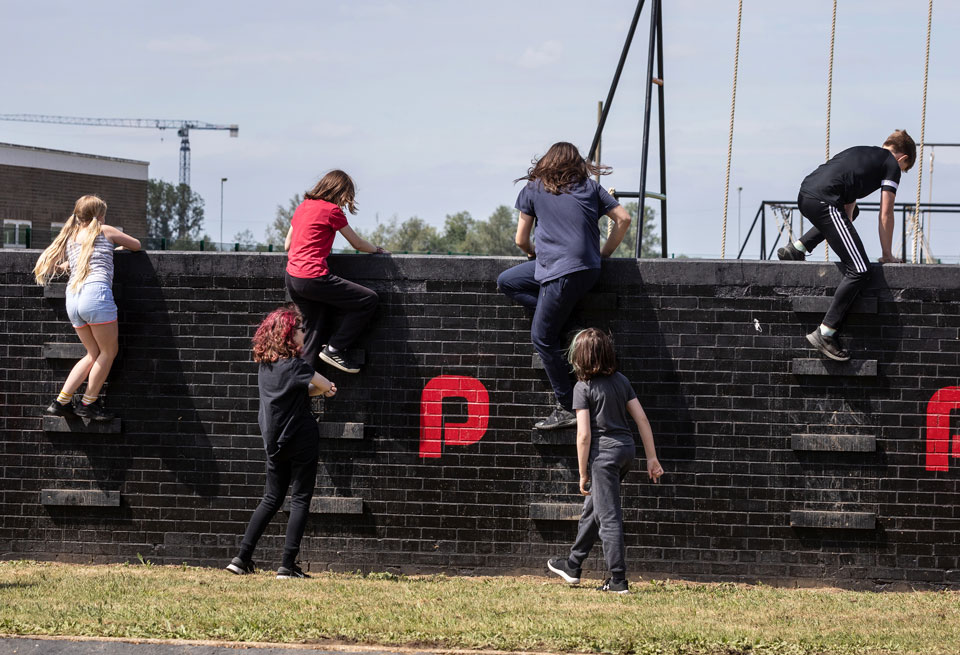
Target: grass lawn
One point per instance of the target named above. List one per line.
(523, 613)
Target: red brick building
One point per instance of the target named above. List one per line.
(38, 188)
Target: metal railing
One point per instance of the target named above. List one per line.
(787, 211)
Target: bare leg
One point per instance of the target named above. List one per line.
(106, 339)
(82, 368)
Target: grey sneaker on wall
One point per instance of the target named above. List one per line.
(829, 346)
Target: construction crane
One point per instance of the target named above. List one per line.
(182, 127)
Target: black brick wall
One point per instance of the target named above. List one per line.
(778, 468)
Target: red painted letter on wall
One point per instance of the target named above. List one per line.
(939, 408)
(433, 430)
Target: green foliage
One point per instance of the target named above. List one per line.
(174, 212)
(651, 234)
(277, 230)
(461, 234)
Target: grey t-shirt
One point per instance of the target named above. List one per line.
(606, 396)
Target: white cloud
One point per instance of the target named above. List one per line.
(545, 54)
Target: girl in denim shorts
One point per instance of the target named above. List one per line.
(85, 247)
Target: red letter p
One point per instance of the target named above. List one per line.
(432, 427)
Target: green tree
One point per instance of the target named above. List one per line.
(455, 231)
(277, 230)
(246, 240)
(650, 248)
(494, 236)
(174, 212)
(413, 235)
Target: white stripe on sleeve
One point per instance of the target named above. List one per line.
(889, 183)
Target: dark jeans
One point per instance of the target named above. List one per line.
(602, 515)
(296, 464)
(831, 223)
(552, 303)
(319, 299)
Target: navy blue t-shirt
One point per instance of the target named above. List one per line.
(568, 230)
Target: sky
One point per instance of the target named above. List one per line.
(435, 107)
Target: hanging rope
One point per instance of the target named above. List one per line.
(733, 107)
(918, 232)
(833, 34)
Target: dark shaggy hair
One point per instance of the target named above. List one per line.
(561, 168)
(274, 337)
(591, 354)
(336, 187)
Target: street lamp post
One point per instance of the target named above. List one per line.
(222, 180)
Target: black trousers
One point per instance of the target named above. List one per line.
(320, 299)
(296, 465)
(831, 223)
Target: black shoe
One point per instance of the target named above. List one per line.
(94, 411)
(561, 567)
(560, 418)
(57, 409)
(283, 573)
(339, 360)
(238, 567)
(621, 587)
(829, 346)
(790, 254)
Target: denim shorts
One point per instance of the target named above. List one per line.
(93, 305)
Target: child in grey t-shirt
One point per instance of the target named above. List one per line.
(603, 399)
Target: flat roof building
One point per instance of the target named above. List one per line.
(39, 186)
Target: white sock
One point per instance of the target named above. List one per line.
(827, 331)
(799, 246)
(331, 348)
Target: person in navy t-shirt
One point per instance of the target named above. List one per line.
(828, 199)
(566, 205)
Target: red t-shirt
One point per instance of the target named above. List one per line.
(315, 224)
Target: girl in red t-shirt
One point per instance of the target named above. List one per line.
(316, 291)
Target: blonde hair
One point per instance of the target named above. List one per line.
(85, 222)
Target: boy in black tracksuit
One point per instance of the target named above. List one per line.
(828, 199)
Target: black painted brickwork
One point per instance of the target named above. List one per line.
(709, 347)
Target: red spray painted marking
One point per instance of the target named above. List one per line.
(433, 430)
(941, 404)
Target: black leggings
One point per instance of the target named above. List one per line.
(291, 464)
(318, 299)
(831, 223)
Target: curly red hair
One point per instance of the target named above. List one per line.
(274, 337)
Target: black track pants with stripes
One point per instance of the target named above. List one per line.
(831, 223)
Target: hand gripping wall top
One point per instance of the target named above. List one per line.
(432, 426)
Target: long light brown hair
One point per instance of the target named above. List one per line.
(591, 354)
(561, 168)
(274, 337)
(336, 187)
(84, 226)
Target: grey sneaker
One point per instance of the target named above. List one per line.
(283, 573)
(339, 360)
(829, 346)
(790, 254)
(238, 567)
(561, 566)
(620, 587)
(559, 418)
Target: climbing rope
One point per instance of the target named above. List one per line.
(733, 107)
(833, 34)
(918, 232)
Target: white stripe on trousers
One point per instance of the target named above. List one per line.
(847, 238)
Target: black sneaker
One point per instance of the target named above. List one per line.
(561, 567)
(339, 360)
(829, 346)
(560, 418)
(790, 254)
(94, 411)
(283, 573)
(238, 567)
(621, 587)
(57, 409)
